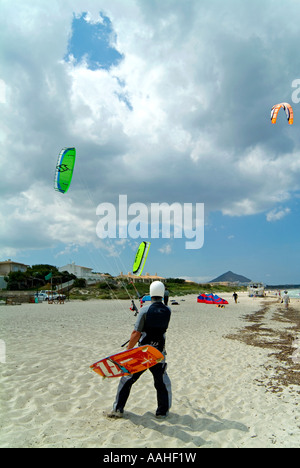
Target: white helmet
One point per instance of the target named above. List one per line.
(157, 289)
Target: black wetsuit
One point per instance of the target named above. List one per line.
(152, 322)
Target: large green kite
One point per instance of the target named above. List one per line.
(64, 169)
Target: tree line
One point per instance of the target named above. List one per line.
(35, 278)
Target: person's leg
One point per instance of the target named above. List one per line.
(162, 384)
(123, 391)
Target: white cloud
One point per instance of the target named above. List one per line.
(277, 215)
(166, 249)
(39, 218)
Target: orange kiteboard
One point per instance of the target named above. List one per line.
(128, 362)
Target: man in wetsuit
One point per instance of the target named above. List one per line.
(150, 328)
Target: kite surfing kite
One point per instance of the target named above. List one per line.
(288, 111)
(140, 258)
(145, 299)
(211, 299)
(64, 169)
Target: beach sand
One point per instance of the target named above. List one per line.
(233, 379)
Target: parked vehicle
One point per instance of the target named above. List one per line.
(41, 296)
(49, 295)
(256, 290)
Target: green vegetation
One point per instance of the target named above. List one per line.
(34, 278)
(182, 287)
(111, 288)
(114, 289)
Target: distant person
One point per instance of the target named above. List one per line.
(235, 297)
(134, 307)
(285, 299)
(166, 297)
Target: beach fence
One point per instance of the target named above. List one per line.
(17, 297)
(25, 297)
(64, 287)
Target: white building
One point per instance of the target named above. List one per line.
(79, 271)
(82, 272)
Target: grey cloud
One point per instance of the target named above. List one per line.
(200, 77)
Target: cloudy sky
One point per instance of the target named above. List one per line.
(165, 102)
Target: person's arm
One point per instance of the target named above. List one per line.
(134, 338)
(138, 328)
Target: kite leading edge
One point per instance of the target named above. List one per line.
(288, 111)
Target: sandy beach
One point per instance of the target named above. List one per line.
(234, 381)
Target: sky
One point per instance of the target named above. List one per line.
(165, 102)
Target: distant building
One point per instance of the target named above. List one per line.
(82, 272)
(79, 271)
(225, 283)
(8, 266)
(142, 278)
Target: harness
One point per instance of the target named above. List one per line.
(156, 324)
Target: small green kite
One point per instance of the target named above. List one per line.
(140, 258)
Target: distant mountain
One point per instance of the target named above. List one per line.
(231, 277)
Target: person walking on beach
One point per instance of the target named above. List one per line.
(235, 297)
(134, 308)
(166, 297)
(285, 299)
(150, 328)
